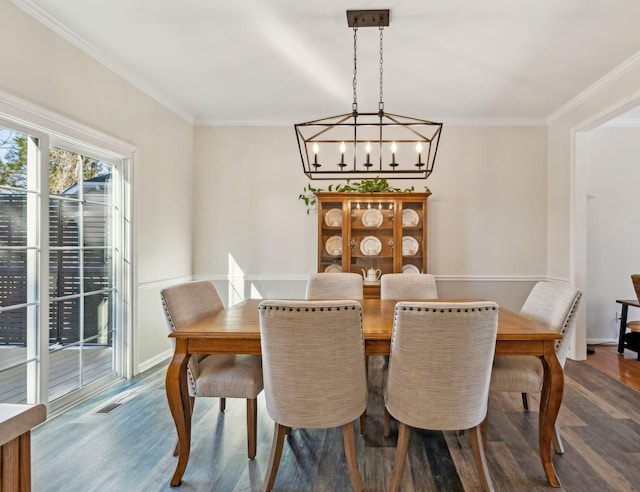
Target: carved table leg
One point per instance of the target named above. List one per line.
(178, 398)
(550, 400)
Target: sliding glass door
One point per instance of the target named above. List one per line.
(63, 267)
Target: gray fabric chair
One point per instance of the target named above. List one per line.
(439, 373)
(223, 376)
(343, 285)
(551, 303)
(314, 372)
(337, 286)
(408, 286)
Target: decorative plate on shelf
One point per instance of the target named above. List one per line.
(333, 268)
(370, 246)
(333, 217)
(410, 269)
(372, 218)
(333, 246)
(409, 246)
(410, 218)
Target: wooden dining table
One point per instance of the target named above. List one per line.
(236, 330)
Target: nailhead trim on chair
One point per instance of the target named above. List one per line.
(190, 378)
(569, 320)
(450, 310)
(166, 310)
(307, 309)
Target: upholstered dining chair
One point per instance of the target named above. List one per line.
(314, 372)
(343, 285)
(551, 303)
(408, 286)
(223, 376)
(337, 286)
(438, 379)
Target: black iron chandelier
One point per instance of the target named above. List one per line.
(370, 145)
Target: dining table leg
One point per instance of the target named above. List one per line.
(178, 398)
(550, 400)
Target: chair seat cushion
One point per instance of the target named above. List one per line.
(634, 326)
(517, 373)
(230, 376)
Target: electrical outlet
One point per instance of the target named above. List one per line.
(618, 315)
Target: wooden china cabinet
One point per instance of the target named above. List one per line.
(385, 232)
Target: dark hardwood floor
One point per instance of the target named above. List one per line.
(129, 449)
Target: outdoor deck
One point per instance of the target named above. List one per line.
(64, 371)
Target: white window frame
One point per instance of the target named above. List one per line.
(54, 130)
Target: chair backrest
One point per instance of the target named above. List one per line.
(186, 303)
(554, 304)
(313, 362)
(334, 286)
(189, 302)
(440, 363)
(408, 286)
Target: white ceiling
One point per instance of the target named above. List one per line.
(288, 61)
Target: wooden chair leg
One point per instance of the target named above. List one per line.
(401, 457)
(192, 402)
(223, 404)
(483, 429)
(525, 401)
(274, 458)
(252, 427)
(386, 425)
(479, 458)
(557, 440)
(349, 438)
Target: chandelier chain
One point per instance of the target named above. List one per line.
(381, 103)
(355, 67)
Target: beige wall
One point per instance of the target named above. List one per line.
(487, 212)
(43, 69)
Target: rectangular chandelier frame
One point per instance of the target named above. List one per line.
(370, 145)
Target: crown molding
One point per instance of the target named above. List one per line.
(631, 63)
(56, 26)
(489, 122)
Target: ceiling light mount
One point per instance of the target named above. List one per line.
(368, 18)
(376, 144)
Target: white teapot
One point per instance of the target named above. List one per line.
(371, 275)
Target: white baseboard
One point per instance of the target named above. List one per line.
(602, 341)
(148, 364)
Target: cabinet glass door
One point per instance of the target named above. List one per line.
(372, 242)
(413, 229)
(331, 234)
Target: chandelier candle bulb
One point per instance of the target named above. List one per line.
(368, 150)
(419, 151)
(394, 148)
(315, 155)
